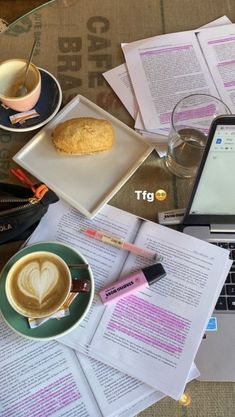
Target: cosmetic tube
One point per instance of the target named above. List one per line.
(135, 281)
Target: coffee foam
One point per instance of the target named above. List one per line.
(38, 284)
(38, 280)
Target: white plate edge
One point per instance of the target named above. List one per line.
(76, 100)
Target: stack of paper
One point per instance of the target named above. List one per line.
(127, 355)
(152, 335)
(161, 70)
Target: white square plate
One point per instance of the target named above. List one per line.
(86, 182)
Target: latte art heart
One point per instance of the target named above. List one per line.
(38, 280)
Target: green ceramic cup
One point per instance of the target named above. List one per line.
(52, 328)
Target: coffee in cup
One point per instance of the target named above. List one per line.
(12, 74)
(38, 284)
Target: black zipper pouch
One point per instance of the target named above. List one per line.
(21, 209)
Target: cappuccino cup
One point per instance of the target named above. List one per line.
(38, 284)
(12, 74)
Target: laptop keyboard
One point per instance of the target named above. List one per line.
(226, 300)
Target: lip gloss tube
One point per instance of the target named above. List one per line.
(135, 281)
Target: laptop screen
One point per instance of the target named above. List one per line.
(215, 191)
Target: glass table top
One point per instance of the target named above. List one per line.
(78, 40)
(77, 44)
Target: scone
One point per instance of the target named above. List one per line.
(83, 135)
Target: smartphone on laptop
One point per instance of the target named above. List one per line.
(210, 216)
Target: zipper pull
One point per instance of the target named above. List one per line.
(33, 200)
(39, 192)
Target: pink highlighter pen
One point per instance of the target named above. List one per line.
(120, 243)
(135, 281)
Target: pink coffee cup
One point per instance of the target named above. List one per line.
(12, 74)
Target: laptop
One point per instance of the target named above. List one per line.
(210, 216)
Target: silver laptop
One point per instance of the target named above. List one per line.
(210, 216)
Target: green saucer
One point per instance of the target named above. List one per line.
(53, 328)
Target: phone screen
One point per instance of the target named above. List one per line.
(215, 193)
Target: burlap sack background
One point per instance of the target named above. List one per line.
(77, 41)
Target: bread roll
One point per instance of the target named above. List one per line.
(83, 135)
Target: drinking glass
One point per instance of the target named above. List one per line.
(190, 122)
